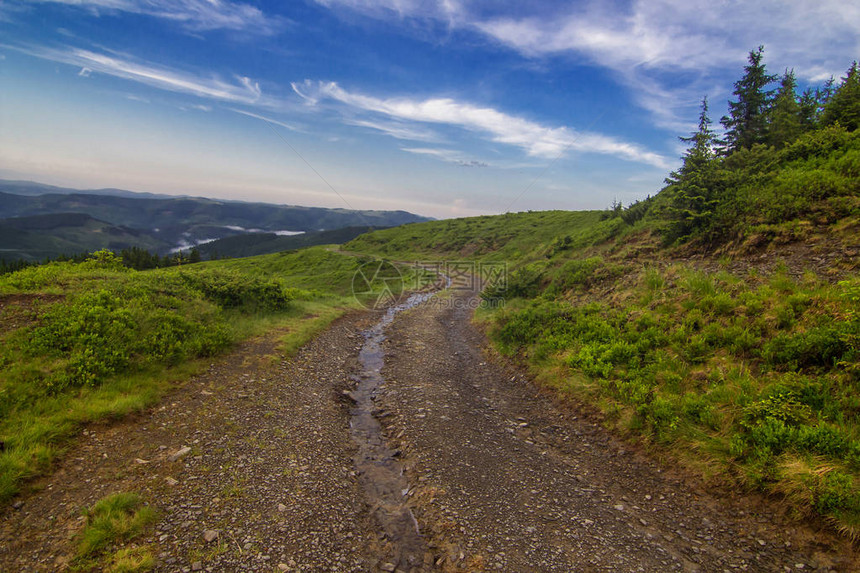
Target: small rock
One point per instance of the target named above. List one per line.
(283, 567)
(210, 535)
(197, 566)
(171, 481)
(388, 567)
(282, 508)
(179, 454)
(619, 507)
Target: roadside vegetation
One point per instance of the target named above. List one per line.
(749, 378)
(80, 342)
(111, 524)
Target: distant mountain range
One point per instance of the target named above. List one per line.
(39, 221)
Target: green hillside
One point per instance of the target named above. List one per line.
(717, 322)
(39, 237)
(736, 354)
(82, 342)
(512, 236)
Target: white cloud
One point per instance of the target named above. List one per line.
(397, 130)
(85, 72)
(535, 139)
(446, 10)
(447, 155)
(668, 53)
(243, 90)
(195, 15)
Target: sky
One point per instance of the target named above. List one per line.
(444, 108)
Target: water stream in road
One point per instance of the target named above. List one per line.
(380, 473)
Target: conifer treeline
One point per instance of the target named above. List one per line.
(133, 258)
(762, 121)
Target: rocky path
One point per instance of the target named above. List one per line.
(254, 466)
(504, 478)
(250, 466)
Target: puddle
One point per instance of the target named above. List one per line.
(380, 473)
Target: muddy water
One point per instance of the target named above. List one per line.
(379, 471)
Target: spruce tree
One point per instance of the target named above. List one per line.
(844, 105)
(785, 114)
(809, 109)
(694, 186)
(746, 123)
(701, 150)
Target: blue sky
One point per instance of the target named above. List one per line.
(444, 108)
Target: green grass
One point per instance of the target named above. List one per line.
(113, 521)
(95, 340)
(509, 237)
(752, 379)
(115, 518)
(749, 379)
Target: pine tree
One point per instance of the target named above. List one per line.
(825, 93)
(746, 123)
(785, 114)
(809, 108)
(701, 151)
(695, 186)
(844, 105)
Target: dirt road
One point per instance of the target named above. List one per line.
(506, 478)
(404, 448)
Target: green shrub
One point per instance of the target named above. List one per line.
(234, 290)
(822, 346)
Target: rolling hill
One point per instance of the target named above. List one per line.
(161, 223)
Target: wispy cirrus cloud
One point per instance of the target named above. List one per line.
(535, 139)
(397, 130)
(448, 10)
(194, 15)
(447, 155)
(667, 53)
(242, 90)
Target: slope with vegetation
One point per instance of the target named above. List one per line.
(718, 321)
(85, 341)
